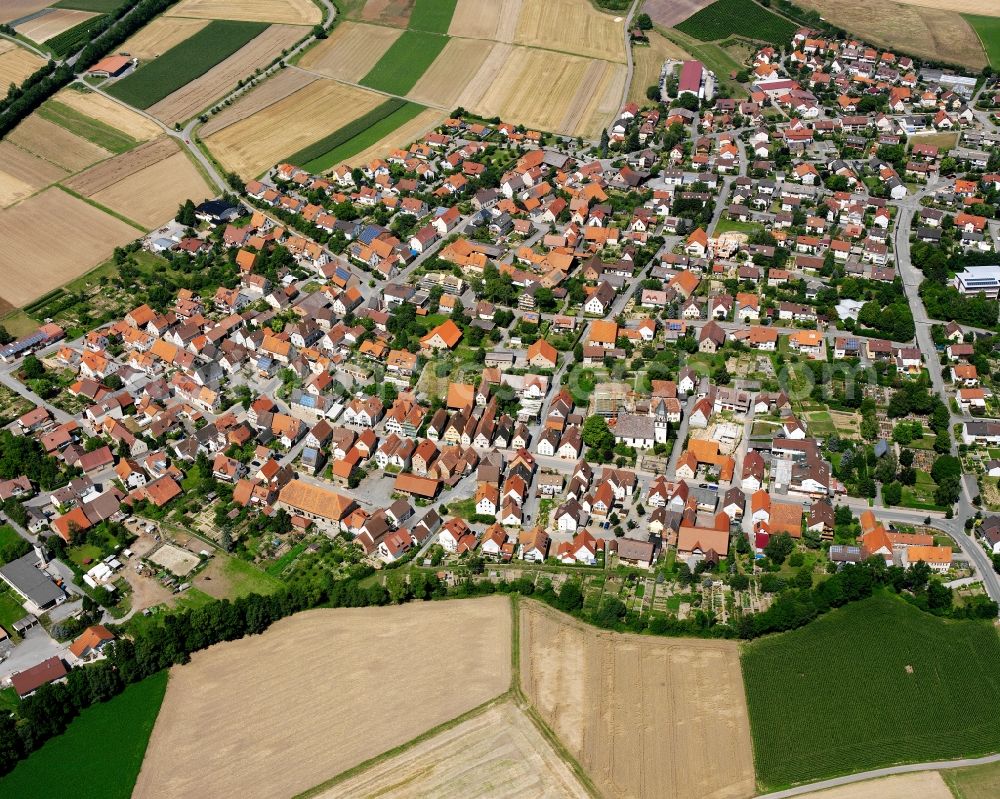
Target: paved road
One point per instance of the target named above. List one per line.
(881, 772)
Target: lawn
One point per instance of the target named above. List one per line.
(401, 66)
(743, 17)
(91, 129)
(10, 610)
(712, 56)
(355, 136)
(85, 552)
(11, 544)
(99, 754)
(9, 700)
(184, 62)
(735, 226)
(988, 31)
(432, 15)
(921, 495)
(872, 684)
(245, 578)
(192, 599)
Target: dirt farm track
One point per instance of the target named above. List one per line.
(321, 692)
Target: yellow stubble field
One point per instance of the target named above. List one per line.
(56, 144)
(160, 35)
(351, 51)
(486, 19)
(16, 63)
(104, 109)
(289, 12)
(446, 79)
(23, 173)
(52, 23)
(572, 26)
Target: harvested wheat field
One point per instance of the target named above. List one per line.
(16, 63)
(671, 12)
(50, 239)
(925, 785)
(498, 754)
(151, 196)
(288, 12)
(987, 8)
(401, 137)
(572, 26)
(276, 714)
(22, 174)
(486, 19)
(52, 23)
(388, 12)
(11, 10)
(445, 79)
(928, 32)
(275, 88)
(56, 144)
(351, 51)
(104, 109)
(121, 166)
(222, 78)
(643, 716)
(160, 35)
(648, 61)
(253, 145)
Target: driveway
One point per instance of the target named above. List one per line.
(37, 646)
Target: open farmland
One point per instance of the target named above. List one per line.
(928, 32)
(644, 716)
(109, 738)
(744, 17)
(53, 22)
(988, 31)
(404, 62)
(443, 82)
(275, 88)
(71, 235)
(486, 19)
(109, 172)
(16, 63)
(351, 51)
(571, 26)
(160, 35)
(401, 136)
(22, 173)
(98, 6)
(432, 15)
(56, 144)
(925, 784)
(498, 754)
(287, 12)
(11, 10)
(94, 131)
(313, 687)
(974, 782)
(253, 145)
(669, 12)
(863, 653)
(105, 110)
(347, 143)
(222, 78)
(648, 60)
(184, 62)
(388, 12)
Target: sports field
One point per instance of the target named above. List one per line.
(872, 684)
(406, 59)
(278, 713)
(727, 17)
(184, 62)
(99, 754)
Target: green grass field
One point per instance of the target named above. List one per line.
(339, 147)
(741, 17)
(188, 60)
(76, 38)
(99, 6)
(245, 578)
(872, 684)
(432, 15)
(100, 753)
(988, 31)
(399, 69)
(10, 610)
(975, 782)
(94, 130)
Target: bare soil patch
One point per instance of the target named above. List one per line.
(498, 754)
(644, 716)
(925, 784)
(253, 145)
(321, 692)
(22, 173)
(401, 136)
(151, 196)
(56, 144)
(16, 9)
(288, 12)
(445, 79)
(51, 238)
(671, 12)
(174, 559)
(388, 12)
(16, 63)
(104, 109)
(160, 35)
(222, 78)
(52, 23)
(486, 19)
(571, 26)
(929, 32)
(121, 166)
(351, 52)
(284, 83)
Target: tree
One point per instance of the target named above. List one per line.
(946, 466)
(32, 368)
(869, 427)
(599, 437)
(779, 547)
(906, 457)
(892, 493)
(643, 22)
(570, 597)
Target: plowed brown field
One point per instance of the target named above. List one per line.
(644, 717)
(15, 9)
(321, 692)
(388, 12)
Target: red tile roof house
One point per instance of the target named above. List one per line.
(30, 680)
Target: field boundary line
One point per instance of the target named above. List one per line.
(104, 208)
